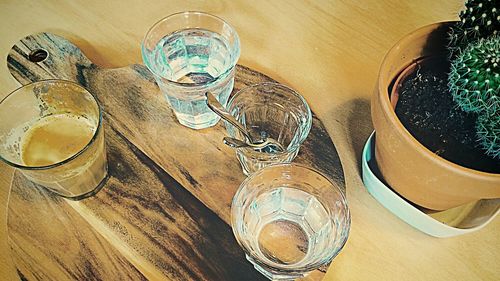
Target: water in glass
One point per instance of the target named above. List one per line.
(289, 225)
(193, 57)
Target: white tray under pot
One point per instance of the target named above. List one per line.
(452, 222)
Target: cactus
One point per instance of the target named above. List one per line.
(474, 79)
(488, 134)
(479, 19)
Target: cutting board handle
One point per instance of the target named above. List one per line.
(47, 56)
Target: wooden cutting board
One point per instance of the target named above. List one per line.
(164, 213)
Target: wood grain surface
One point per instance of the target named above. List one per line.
(141, 225)
(330, 51)
(159, 227)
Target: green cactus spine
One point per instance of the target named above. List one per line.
(479, 19)
(474, 79)
(488, 134)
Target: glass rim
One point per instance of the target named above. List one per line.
(195, 84)
(290, 268)
(256, 154)
(72, 157)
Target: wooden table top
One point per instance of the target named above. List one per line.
(330, 52)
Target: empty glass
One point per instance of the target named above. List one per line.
(52, 131)
(274, 111)
(191, 53)
(290, 220)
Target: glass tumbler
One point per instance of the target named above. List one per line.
(290, 220)
(272, 110)
(191, 53)
(52, 132)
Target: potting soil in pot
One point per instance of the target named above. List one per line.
(427, 110)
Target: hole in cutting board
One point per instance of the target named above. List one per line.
(38, 55)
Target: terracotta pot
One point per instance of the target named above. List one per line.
(407, 166)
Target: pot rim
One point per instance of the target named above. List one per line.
(389, 112)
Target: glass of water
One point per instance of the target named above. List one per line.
(290, 220)
(275, 111)
(191, 53)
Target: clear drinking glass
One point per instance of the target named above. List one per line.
(52, 132)
(290, 220)
(191, 53)
(275, 111)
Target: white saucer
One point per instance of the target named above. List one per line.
(453, 222)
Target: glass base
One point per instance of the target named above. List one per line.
(250, 164)
(92, 192)
(199, 126)
(274, 275)
(88, 194)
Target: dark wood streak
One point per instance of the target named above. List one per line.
(18, 67)
(169, 193)
(21, 276)
(223, 249)
(80, 74)
(143, 72)
(188, 177)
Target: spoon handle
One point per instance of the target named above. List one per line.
(217, 107)
(234, 143)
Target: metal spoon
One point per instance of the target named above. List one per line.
(217, 107)
(268, 146)
(262, 144)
